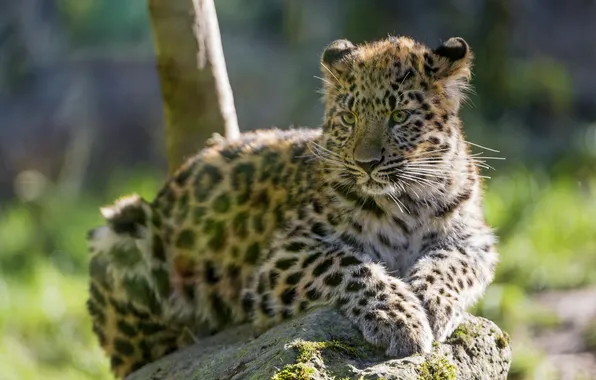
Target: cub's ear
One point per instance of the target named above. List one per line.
(454, 59)
(336, 58)
(453, 69)
(453, 49)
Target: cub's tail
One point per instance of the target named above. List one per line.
(129, 284)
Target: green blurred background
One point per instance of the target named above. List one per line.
(81, 123)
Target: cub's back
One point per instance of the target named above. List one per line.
(216, 215)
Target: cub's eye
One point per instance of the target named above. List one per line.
(399, 116)
(348, 118)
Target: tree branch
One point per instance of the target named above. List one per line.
(198, 100)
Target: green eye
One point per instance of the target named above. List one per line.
(348, 118)
(399, 116)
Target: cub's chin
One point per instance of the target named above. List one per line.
(375, 188)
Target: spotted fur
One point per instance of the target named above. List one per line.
(378, 213)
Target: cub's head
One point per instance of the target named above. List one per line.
(391, 113)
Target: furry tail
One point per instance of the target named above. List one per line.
(128, 285)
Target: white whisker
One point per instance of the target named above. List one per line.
(333, 75)
(483, 147)
(324, 80)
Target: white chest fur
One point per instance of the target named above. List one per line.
(392, 240)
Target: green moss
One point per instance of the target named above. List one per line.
(298, 371)
(503, 340)
(463, 335)
(437, 368)
(307, 352)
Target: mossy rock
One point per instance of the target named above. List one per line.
(323, 345)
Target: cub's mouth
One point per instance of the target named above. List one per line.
(373, 187)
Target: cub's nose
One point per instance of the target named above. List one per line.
(369, 165)
(369, 151)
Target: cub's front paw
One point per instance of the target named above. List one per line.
(443, 318)
(402, 334)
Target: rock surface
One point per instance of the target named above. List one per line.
(324, 345)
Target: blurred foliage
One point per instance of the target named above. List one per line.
(90, 22)
(540, 79)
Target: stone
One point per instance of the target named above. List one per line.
(324, 345)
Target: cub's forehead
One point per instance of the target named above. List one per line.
(388, 54)
(396, 60)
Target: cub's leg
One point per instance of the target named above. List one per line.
(303, 273)
(450, 278)
(126, 289)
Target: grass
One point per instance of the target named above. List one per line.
(44, 329)
(547, 242)
(548, 239)
(45, 332)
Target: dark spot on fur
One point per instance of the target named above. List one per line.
(218, 239)
(210, 273)
(158, 249)
(286, 263)
(354, 286)
(207, 178)
(294, 278)
(240, 224)
(341, 302)
(258, 222)
(319, 229)
(322, 267)
(116, 361)
(286, 313)
(222, 310)
(265, 307)
(311, 259)
(333, 279)
(242, 181)
(362, 272)
(248, 303)
(124, 347)
(295, 246)
(221, 204)
(313, 294)
(401, 224)
(186, 239)
(348, 261)
(252, 253)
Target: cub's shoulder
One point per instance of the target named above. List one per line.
(222, 152)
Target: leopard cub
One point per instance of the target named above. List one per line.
(378, 213)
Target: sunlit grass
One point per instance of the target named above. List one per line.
(44, 329)
(548, 241)
(45, 332)
(549, 230)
